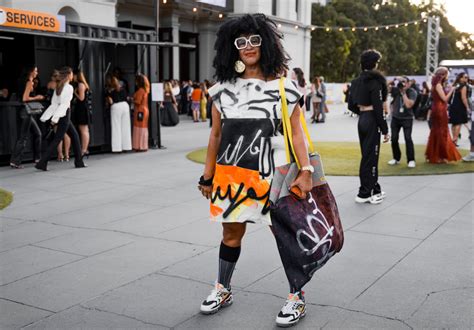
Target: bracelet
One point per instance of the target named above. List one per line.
(203, 182)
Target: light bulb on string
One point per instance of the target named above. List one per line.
(376, 28)
(365, 29)
(353, 29)
(340, 29)
(396, 25)
(416, 23)
(328, 29)
(406, 24)
(313, 28)
(387, 27)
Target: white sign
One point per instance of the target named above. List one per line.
(220, 3)
(157, 92)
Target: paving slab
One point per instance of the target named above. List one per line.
(362, 260)
(258, 248)
(76, 282)
(15, 316)
(82, 318)
(29, 233)
(87, 242)
(28, 260)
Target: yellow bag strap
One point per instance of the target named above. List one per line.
(287, 131)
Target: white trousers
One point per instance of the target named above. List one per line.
(121, 128)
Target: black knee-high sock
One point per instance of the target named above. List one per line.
(228, 257)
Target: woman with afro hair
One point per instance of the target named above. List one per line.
(242, 151)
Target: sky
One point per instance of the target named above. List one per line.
(459, 12)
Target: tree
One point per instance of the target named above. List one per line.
(335, 54)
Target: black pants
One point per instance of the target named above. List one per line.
(28, 123)
(369, 138)
(64, 126)
(407, 125)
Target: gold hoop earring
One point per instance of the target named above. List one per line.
(239, 66)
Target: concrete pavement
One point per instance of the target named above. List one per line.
(126, 244)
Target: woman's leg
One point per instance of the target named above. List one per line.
(315, 112)
(60, 151)
(126, 128)
(115, 126)
(85, 137)
(76, 145)
(17, 154)
(37, 140)
(456, 129)
(67, 146)
(229, 251)
(61, 129)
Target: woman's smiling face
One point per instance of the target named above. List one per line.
(250, 55)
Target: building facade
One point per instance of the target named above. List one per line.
(164, 39)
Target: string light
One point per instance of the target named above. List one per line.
(279, 25)
(366, 28)
(165, 1)
(195, 9)
(221, 15)
(296, 27)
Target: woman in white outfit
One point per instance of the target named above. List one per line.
(59, 112)
(119, 117)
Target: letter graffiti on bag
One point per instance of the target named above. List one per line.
(321, 243)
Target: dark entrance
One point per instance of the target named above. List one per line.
(189, 58)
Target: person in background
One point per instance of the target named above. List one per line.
(458, 109)
(425, 102)
(440, 147)
(59, 112)
(323, 108)
(316, 99)
(118, 73)
(183, 99)
(140, 114)
(470, 156)
(82, 112)
(203, 105)
(28, 122)
(169, 110)
(196, 97)
(367, 95)
(176, 91)
(117, 98)
(404, 97)
(189, 96)
(4, 94)
(209, 84)
(297, 76)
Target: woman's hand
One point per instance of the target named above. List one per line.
(206, 191)
(304, 182)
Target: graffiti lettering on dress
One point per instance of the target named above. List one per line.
(240, 197)
(235, 156)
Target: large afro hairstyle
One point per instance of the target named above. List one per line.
(273, 60)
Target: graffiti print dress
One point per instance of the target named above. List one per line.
(251, 147)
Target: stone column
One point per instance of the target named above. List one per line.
(207, 37)
(175, 37)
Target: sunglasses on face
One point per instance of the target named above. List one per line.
(242, 42)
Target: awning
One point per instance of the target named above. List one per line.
(103, 34)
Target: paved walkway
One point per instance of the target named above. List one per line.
(126, 243)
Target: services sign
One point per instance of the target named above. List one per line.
(32, 20)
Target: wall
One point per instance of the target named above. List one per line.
(98, 12)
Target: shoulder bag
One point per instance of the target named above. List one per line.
(308, 231)
(33, 108)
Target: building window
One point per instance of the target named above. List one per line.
(274, 7)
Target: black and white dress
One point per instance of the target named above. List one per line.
(250, 149)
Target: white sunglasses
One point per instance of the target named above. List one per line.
(242, 42)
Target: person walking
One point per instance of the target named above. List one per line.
(404, 97)
(240, 158)
(117, 97)
(140, 114)
(59, 112)
(82, 116)
(367, 95)
(440, 147)
(458, 109)
(316, 99)
(28, 122)
(297, 76)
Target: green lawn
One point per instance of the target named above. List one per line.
(342, 158)
(6, 198)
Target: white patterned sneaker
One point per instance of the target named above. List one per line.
(374, 199)
(220, 297)
(292, 311)
(393, 162)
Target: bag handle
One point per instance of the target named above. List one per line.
(287, 131)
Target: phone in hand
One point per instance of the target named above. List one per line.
(296, 192)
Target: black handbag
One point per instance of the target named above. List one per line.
(308, 231)
(34, 108)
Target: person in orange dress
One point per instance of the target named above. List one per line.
(140, 114)
(440, 148)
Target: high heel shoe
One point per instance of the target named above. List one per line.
(60, 159)
(67, 159)
(40, 167)
(85, 155)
